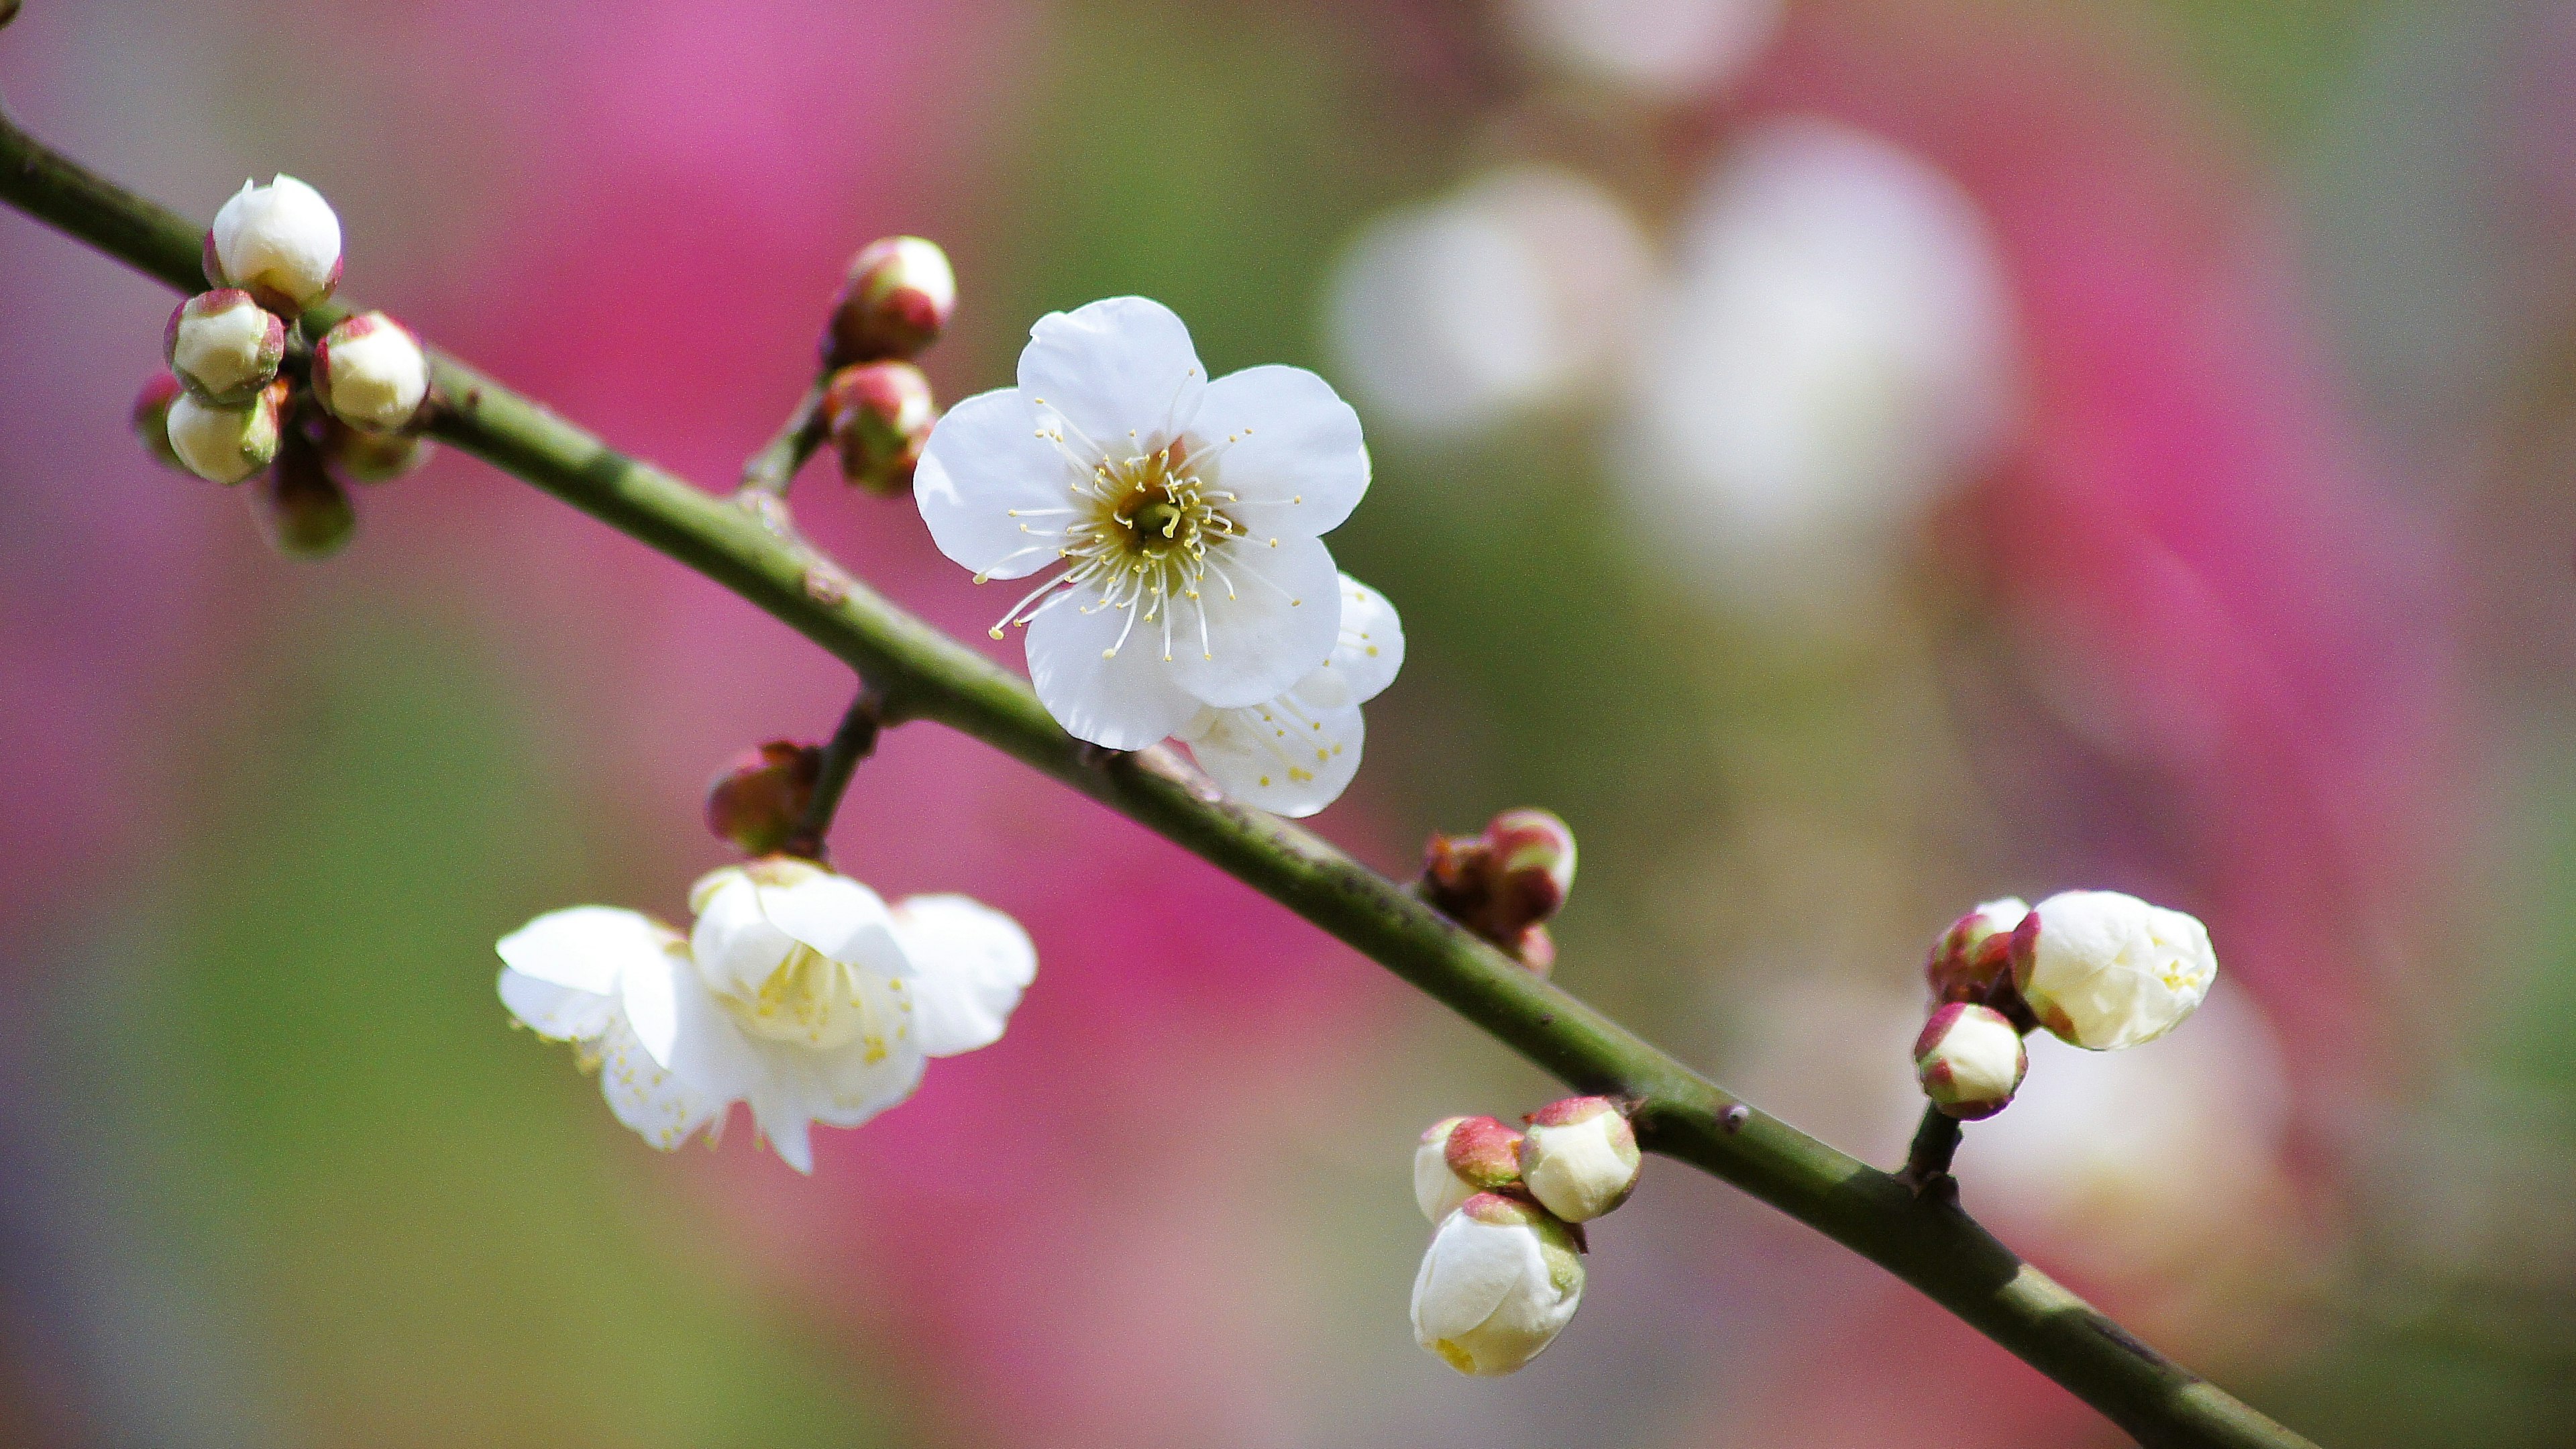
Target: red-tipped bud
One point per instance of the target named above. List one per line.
(152, 418)
(358, 456)
(226, 445)
(302, 512)
(1533, 854)
(1579, 1157)
(1460, 1157)
(371, 373)
(1970, 1060)
(756, 802)
(879, 415)
(223, 346)
(898, 298)
(1975, 953)
(1505, 883)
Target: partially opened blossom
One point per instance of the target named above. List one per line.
(1502, 1277)
(798, 991)
(1175, 520)
(1297, 753)
(2103, 970)
(279, 242)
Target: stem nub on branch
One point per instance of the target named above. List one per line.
(921, 673)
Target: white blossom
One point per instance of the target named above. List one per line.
(224, 445)
(1176, 521)
(1499, 1281)
(798, 991)
(279, 242)
(1662, 49)
(1297, 753)
(1580, 1158)
(2108, 970)
(371, 373)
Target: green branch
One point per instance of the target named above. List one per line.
(919, 673)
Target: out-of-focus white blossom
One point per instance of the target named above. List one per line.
(798, 991)
(2105, 970)
(1500, 1280)
(1834, 351)
(1519, 291)
(1297, 753)
(1660, 49)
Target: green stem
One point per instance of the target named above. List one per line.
(920, 673)
(854, 741)
(780, 459)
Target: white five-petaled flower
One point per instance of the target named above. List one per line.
(2106, 970)
(798, 991)
(1177, 520)
(1297, 753)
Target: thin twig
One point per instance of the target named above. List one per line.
(781, 458)
(1927, 1162)
(922, 673)
(852, 742)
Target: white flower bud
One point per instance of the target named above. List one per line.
(1579, 1158)
(224, 346)
(1461, 1157)
(1500, 1279)
(1970, 1061)
(279, 242)
(2105, 970)
(370, 373)
(225, 445)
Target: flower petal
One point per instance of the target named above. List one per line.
(556, 1012)
(1274, 611)
(585, 948)
(685, 1030)
(1111, 368)
(1365, 660)
(984, 459)
(1293, 459)
(1282, 756)
(1121, 703)
(733, 939)
(971, 963)
(663, 1107)
(838, 917)
(1470, 1268)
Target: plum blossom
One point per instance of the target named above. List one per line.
(798, 991)
(1501, 1278)
(279, 242)
(1176, 521)
(2104, 970)
(1297, 753)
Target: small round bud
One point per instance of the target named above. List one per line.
(152, 418)
(757, 801)
(1579, 1158)
(1460, 1157)
(1970, 1060)
(879, 415)
(358, 456)
(371, 373)
(1533, 853)
(1976, 952)
(301, 511)
(2103, 970)
(226, 445)
(1499, 1281)
(279, 242)
(1503, 883)
(223, 346)
(898, 298)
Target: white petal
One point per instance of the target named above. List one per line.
(787, 1128)
(1121, 703)
(585, 948)
(1468, 1271)
(1114, 367)
(838, 917)
(734, 941)
(559, 1013)
(663, 1107)
(1365, 660)
(682, 1026)
(851, 1085)
(1282, 756)
(1274, 612)
(971, 963)
(1293, 457)
(984, 459)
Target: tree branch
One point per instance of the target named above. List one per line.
(920, 673)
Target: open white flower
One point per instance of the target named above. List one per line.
(1297, 753)
(2107, 970)
(798, 991)
(1177, 520)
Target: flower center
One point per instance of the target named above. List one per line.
(809, 999)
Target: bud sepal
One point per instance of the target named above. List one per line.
(757, 802)
(152, 418)
(1460, 1157)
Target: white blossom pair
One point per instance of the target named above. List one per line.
(797, 991)
(1177, 524)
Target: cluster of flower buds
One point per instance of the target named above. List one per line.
(877, 406)
(245, 395)
(2096, 969)
(758, 802)
(1505, 883)
(1504, 1272)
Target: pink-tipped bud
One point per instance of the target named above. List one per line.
(898, 298)
(301, 511)
(226, 445)
(1460, 1157)
(1579, 1157)
(1976, 952)
(152, 418)
(1504, 883)
(879, 415)
(1533, 859)
(279, 242)
(1970, 1060)
(757, 801)
(371, 373)
(223, 346)
(358, 456)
